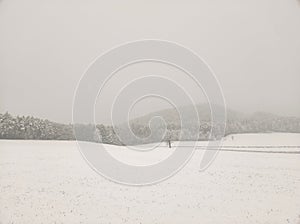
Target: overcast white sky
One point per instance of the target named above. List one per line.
(253, 46)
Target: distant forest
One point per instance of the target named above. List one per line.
(28, 127)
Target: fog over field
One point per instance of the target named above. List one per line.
(252, 46)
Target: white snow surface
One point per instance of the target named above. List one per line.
(50, 182)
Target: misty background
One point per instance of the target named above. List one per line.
(252, 46)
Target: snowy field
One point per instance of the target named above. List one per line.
(49, 182)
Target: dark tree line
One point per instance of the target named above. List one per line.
(28, 127)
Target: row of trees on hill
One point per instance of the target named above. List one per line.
(28, 127)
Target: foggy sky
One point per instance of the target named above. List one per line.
(253, 46)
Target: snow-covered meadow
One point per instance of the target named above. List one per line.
(49, 182)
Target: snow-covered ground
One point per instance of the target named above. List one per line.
(49, 182)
